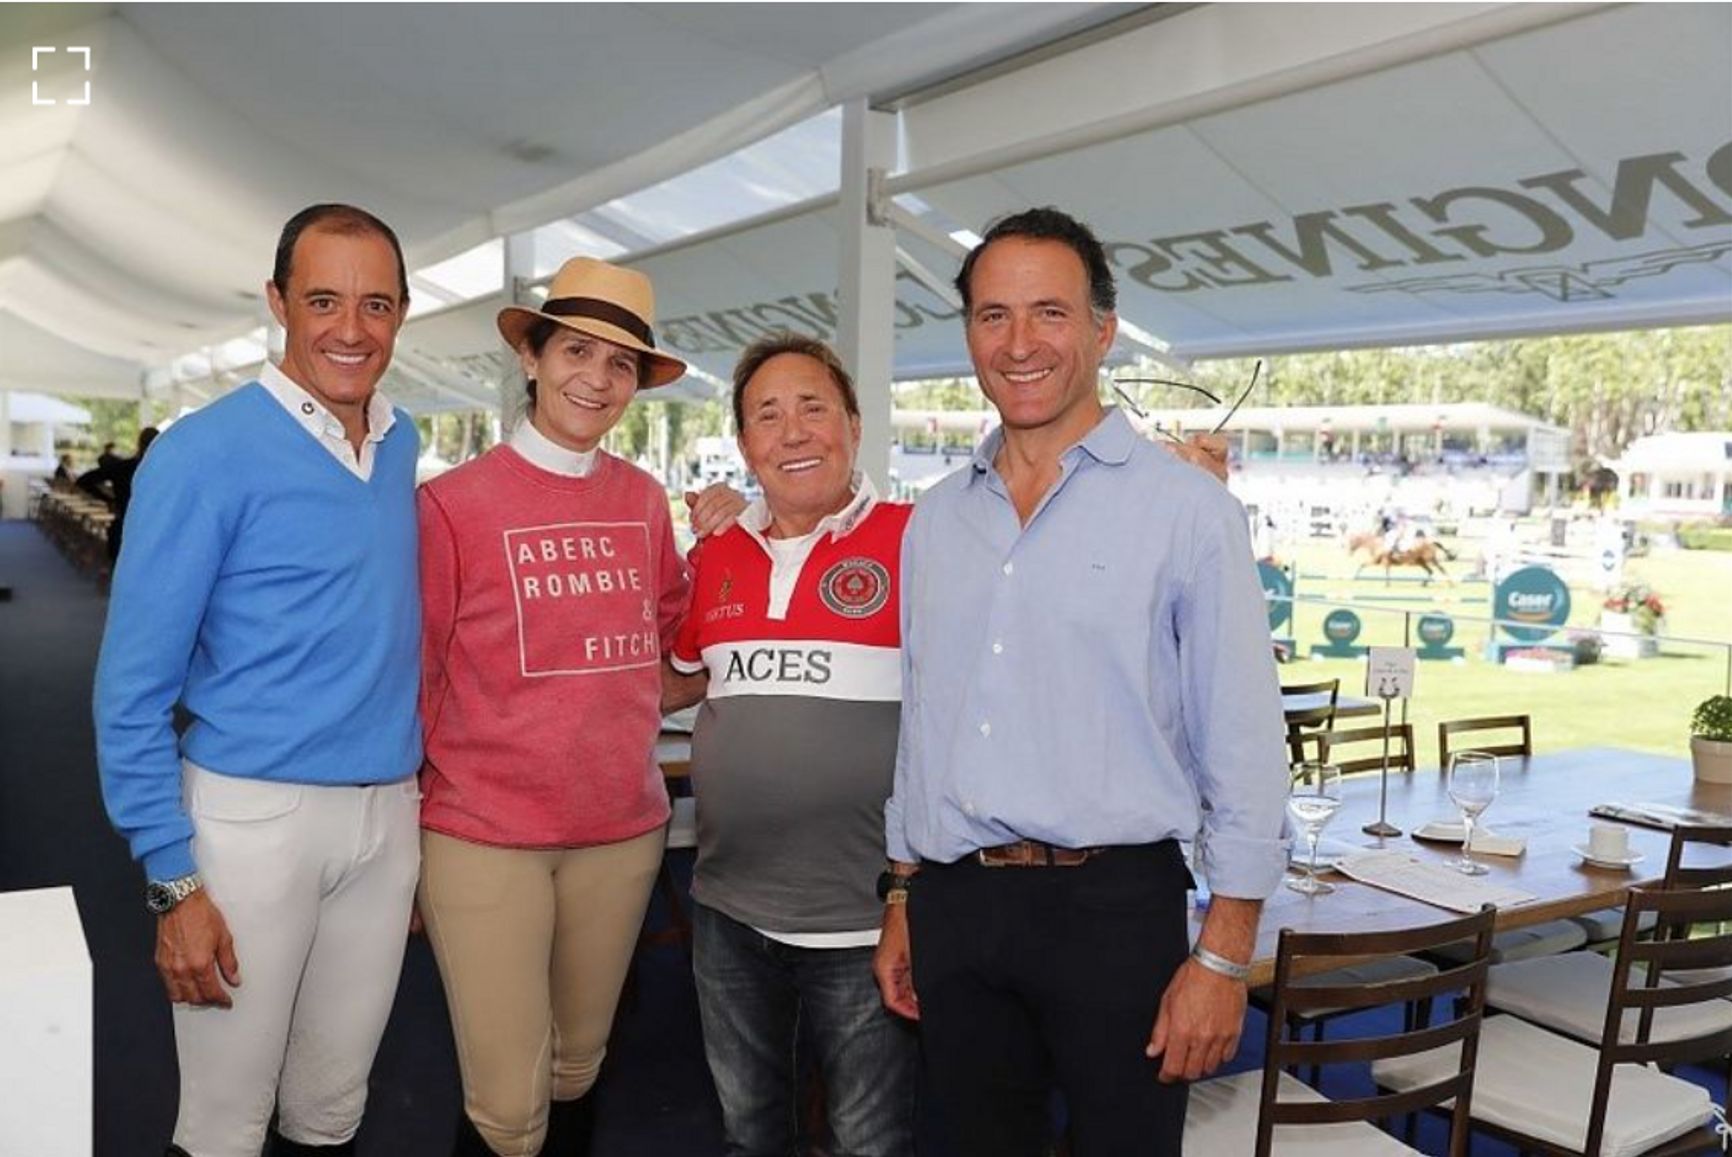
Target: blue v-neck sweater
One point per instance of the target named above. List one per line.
(274, 595)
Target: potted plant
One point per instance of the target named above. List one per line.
(1711, 739)
(1633, 614)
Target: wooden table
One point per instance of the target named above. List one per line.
(674, 753)
(1346, 706)
(1544, 799)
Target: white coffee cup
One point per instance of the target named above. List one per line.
(1609, 842)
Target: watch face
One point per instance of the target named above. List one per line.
(159, 898)
(889, 882)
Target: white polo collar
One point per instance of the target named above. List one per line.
(755, 519)
(312, 414)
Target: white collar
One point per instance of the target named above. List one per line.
(313, 415)
(755, 519)
(540, 450)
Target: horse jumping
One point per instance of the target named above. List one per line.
(1426, 555)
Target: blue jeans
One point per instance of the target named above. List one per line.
(753, 994)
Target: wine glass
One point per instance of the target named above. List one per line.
(1473, 779)
(1313, 798)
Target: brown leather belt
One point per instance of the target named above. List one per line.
(1034, 854)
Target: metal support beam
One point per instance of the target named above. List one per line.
(941, 288)
(865, 334)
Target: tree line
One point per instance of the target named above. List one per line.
(1607, 389)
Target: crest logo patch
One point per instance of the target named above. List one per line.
(855, 587)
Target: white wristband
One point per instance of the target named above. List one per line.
(1220, 965)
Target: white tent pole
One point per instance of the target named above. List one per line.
(519, 273)
(865, 334)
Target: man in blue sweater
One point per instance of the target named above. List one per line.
(268, 587)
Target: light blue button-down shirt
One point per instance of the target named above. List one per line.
(1102, 675)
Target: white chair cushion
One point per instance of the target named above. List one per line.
(1568, 993)
(1383, 970)
(1541, 1084)
(1608, 924)
(1222, 1122)
(1546, 939)
(683, 823)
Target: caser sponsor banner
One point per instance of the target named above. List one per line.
(1278, 590)
(1533, 603)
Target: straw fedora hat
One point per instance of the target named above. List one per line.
(602, 300)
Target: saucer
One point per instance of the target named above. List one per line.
(1440, 832)
(1617, 864)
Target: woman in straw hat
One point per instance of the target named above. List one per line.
(550, 586)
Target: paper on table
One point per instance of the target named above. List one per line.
(1432, 883)
(1658, 815)
(1451, 832)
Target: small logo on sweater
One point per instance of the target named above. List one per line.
(723, 608)
(855, 587)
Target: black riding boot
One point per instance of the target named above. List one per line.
(570, 1126)
(281, 1146)
(469, 1142)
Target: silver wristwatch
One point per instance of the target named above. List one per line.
(160, 896)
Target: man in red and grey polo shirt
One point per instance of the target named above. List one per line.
(794, 620)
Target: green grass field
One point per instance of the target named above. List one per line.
(1644, 704)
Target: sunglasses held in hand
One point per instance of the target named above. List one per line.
(1118, 388)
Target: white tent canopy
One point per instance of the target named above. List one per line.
(42, 410)
(1268, 177)
(139, 225)
(1573, 175)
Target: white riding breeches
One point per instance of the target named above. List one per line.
(316, 885)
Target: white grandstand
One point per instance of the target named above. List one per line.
(1323, 469)
(1677, 476)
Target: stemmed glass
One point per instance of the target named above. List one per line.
(1313, 798)
(1473, 779)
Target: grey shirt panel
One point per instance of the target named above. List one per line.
(791, 794)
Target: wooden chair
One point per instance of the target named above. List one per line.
(1311, 720)
(1548, 1094)
(1451, 727)
(1381, 970)
(1239, 1114)
(1567, 994)
(1401, 754)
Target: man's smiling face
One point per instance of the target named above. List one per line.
(340, 315)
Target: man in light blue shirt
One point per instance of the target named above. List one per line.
(1087, 679)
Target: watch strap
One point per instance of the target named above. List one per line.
(162, 896)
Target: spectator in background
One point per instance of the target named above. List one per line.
(111, 481)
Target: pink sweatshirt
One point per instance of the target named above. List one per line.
(546, 603)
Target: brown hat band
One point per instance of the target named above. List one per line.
(596, 309)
